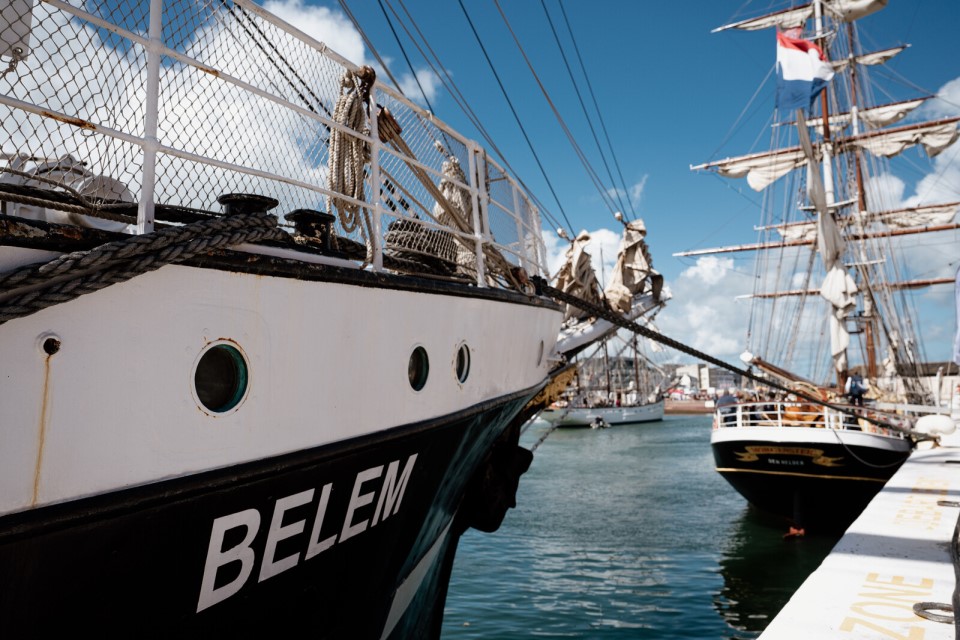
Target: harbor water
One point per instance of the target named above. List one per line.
(626, 532)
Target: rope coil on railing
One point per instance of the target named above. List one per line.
(73, 275)
(605, 313)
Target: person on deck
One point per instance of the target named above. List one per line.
(726, 405)
(855, 387)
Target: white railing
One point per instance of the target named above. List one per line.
(224, 97)
(801, 414)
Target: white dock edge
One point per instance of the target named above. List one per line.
(895, 554)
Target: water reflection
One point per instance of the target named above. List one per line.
(761, 570)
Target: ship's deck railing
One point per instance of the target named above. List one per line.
(182, 101)
(800, 414)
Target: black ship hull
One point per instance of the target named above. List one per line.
(347, 540)
(815, 478)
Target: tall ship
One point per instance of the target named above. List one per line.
(830, 303)
(267, 330)
(615, 382)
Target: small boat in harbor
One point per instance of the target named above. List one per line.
(262, 362)
(825, 228)
(625, 387)
(610, 391)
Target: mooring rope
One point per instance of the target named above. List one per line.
(70, 276)
(605, 313)
(543, 437)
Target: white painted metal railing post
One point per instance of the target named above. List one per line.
(145, 210)
(375, 191)
(477, 196)
(538, 246)
(521, 237)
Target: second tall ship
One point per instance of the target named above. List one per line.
(829, 267)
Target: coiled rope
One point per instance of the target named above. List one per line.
(349, 154)
(32, 288)
(602, 312)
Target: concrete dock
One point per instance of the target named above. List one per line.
(895, 555)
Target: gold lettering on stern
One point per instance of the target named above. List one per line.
(888, 607)
(753, 453)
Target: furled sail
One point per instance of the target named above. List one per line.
(786, 19)
(870, 59)
(577, 276)
(761, 169)
(634, 269)
(850, 10)
(934, 136)
(921, 216)
(882, 115)
(845, 10)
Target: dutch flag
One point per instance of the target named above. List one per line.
(802, 73)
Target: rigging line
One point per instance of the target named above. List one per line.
(583, 106)
(373, 49)
(461, 101)
(413, 73)
(290, 68)
(593, 96)
(737, 123)
(563, 125)
(448, 82)
(405, 56)
(514, 112)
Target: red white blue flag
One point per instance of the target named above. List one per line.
(802, 72)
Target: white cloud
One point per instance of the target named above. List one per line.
(708, 270)
(636, 191)
(329, 27)
(428, 80)
(704, 312)
(946, 104)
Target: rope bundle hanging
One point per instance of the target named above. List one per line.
(348, 153)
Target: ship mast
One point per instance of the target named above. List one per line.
(842, 216)
(867, 319)
(840, 358)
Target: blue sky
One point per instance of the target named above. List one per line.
(670, 93)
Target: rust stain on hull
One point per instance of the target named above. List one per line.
(42, 431)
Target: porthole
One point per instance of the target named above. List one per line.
(221, 378)
(463, 363)
(418, 368)
(540, 354)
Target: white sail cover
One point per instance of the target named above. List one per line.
(577, 276)
(761, 169)
(845, 10)
(929, 215)
(874, 117)
(922, 216)
(869, 59)
(787, 19)
(887, 114)
(935, 137)
(634, 265)
(850, 10)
